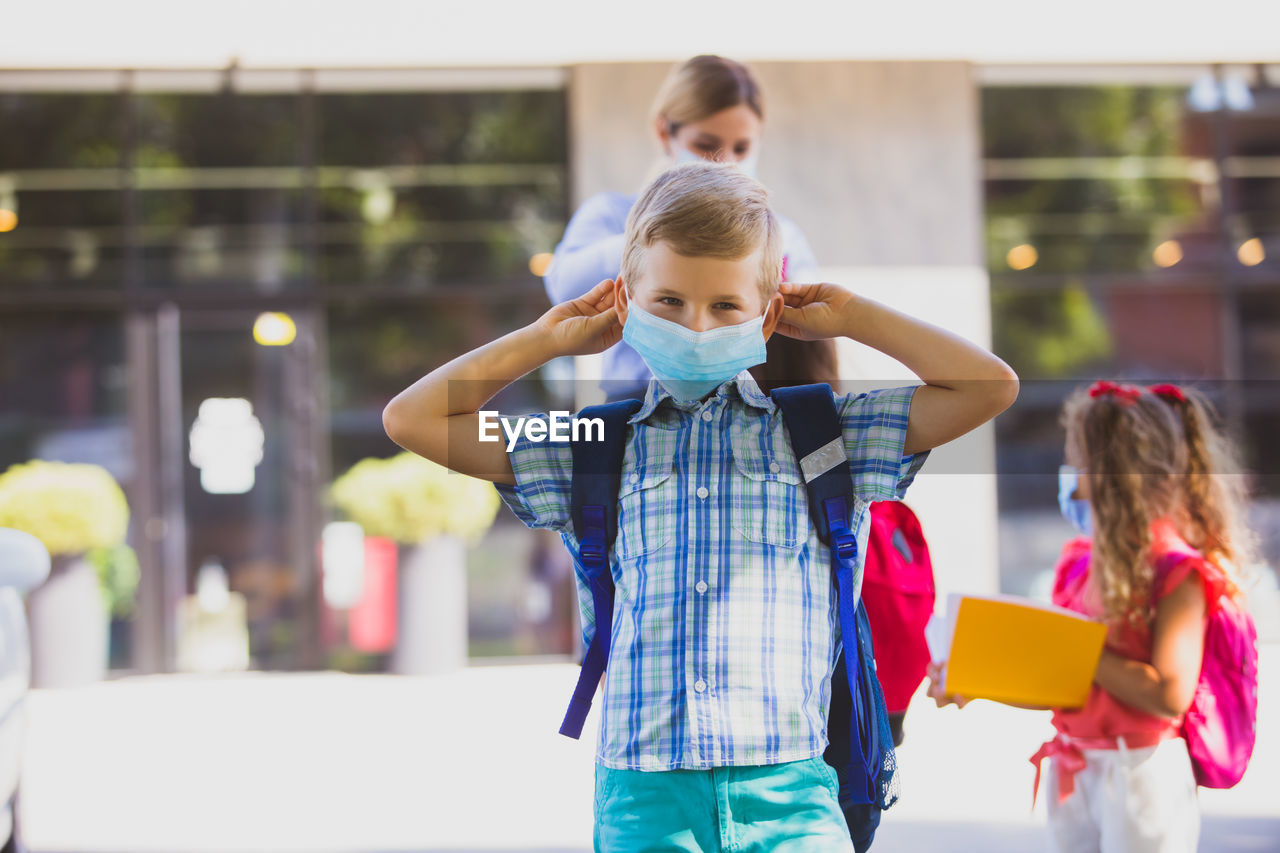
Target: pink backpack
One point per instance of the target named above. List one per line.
(1221, 725)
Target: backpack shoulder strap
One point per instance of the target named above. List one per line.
(597, 475)
(817, 437)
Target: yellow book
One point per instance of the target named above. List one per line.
(1017, 650)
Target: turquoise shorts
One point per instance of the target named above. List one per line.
(763, 809)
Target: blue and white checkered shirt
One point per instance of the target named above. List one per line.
(726, 626)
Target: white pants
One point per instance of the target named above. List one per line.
(1128, 801)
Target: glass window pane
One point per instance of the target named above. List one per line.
(63, 239)
(439, 188)
(61, 209)
(220, 190)
(245, 238)
(60, 131)
(1082, 121)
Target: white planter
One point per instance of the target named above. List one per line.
(432, 608)
(69, 626)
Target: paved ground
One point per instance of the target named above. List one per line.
(472, 762)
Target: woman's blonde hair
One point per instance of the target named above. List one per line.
(707, 210)
(1143, 464)
(703, 86)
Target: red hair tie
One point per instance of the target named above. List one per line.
(1169, 392)
(1126, 393)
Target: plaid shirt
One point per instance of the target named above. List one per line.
(726, 626)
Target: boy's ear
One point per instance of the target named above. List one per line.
(620, 299)
(773, 314)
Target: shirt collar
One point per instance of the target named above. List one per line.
(743, 387)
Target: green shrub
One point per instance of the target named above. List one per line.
(118, 574)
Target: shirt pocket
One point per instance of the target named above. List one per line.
(769, 504)
(647, 509)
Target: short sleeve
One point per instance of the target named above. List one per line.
(543, 472)
(875, 430)
(1175, 567)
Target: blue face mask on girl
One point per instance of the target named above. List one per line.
(1074, 510)
(692, 364)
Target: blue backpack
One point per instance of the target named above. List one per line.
(861, 747)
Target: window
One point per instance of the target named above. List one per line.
(61, 205)
(402, 211)
(1128, 236)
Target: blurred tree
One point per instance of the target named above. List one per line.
(1079, 226)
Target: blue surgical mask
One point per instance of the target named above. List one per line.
(692, 364)
(747, 166)
(1074, 510)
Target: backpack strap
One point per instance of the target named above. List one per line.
(818, 441)
(597, 476)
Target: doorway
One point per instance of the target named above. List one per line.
(231, 427)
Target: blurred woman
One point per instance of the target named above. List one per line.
(709, 108)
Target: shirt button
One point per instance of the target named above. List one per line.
(775, 467)
(702, 492)
(635, 477)
(701, 586)
(706, 415)
(700, 685)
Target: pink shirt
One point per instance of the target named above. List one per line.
(1172, 560)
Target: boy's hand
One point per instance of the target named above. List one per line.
(814, 312)
(582, 326)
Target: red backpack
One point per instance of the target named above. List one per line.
(898, 592)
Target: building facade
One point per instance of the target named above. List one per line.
(309, 241)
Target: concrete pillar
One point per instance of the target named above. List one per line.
(432, 608)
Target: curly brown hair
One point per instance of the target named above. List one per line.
(1146, 457)
(1131, 450)
(1216, 490)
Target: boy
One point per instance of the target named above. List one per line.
(725, 625)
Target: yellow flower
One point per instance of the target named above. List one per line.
(71, 508)
(410, 499)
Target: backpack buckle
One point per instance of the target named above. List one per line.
(844, 544)
(592, 550)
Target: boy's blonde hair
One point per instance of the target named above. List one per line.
(705, 210)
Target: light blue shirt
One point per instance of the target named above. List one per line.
(591, 251)
(725, 626)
